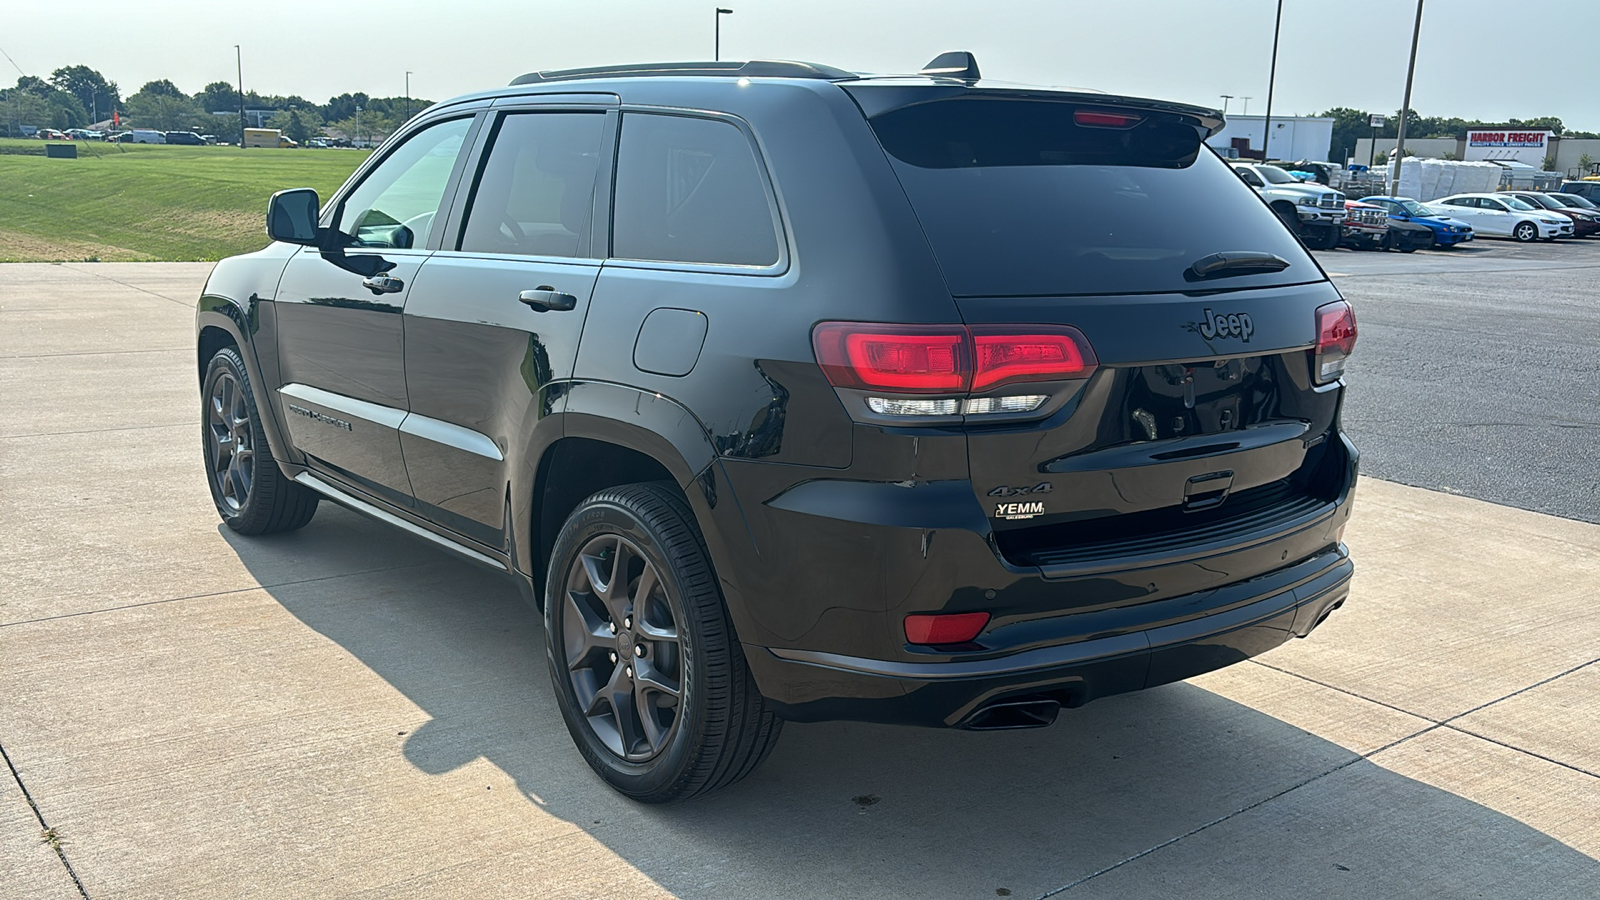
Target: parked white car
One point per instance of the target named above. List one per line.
(1497, 215)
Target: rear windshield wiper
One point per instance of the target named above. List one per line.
(1234, 262)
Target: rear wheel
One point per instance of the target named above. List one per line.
(650, 676)
(251, 493)
(1526, 232)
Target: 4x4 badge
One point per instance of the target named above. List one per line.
(1236, 325)
(1042, 487)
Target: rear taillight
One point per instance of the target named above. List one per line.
(953, 361)
(903, 359)
(1336, 340)
(1004, 357)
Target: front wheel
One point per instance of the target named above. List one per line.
(649, 674)
(251, 493)
(1322, 237)
(1526, 232)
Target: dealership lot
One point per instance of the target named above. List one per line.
(346, 711)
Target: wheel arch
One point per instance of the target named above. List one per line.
(222, 322)
(613, 435)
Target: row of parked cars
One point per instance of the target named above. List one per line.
(1324, 218)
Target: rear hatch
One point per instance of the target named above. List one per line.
(1201, 412)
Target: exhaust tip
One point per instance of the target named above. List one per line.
(1012, 715)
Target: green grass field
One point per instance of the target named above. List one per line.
(149, 202)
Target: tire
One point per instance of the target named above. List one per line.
(1526, 232)
(1322, 237)
(640, 738)
(1288, 216)
(252, 494)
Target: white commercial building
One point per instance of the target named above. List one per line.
(1293, 137)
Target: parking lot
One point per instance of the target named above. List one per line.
(347, 711)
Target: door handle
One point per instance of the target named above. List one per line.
(546, 297)
(383, 284)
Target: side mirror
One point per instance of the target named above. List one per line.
(292, 216)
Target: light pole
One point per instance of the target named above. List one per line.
(1246, 106)
(1225, 99)
(1272, 78)
(358, 126)
(408, 96)
(238, 59)
(1405, 108)
(716, 50)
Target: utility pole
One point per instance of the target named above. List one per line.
(1225, 99)
(1272, 79)
(716, 51)
(408, 96)
(1405, 108)
(238, 58)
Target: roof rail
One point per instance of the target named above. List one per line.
(756, 68)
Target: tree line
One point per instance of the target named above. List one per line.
(79, 96)
(1349, 125)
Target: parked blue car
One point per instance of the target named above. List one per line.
(1447, 232)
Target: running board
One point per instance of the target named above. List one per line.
(361, 506)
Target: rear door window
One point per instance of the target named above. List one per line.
(534, 194)
(690, 190)
(1017, 199)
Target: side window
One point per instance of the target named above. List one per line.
(690, 190)
(1250, 178)
(395, 205)
(535, 191)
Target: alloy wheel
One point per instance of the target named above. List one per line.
(624, 655)
(230, 441)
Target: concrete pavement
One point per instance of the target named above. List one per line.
(347, 712)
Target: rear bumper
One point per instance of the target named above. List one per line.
(1177, 639)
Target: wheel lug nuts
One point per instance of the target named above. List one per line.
(638, 649)
(611, 627)
(613, 657)
(628, 671)
(627, 622)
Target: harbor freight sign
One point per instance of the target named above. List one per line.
(1523, 146)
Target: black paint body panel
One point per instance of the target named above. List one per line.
(825, 530)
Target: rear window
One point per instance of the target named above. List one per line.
(1016, 199)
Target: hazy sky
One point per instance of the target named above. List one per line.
(1332, 53)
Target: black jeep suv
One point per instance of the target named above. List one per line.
(788, 393)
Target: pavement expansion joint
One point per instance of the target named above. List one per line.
(96, 352)
(1448, 722)
(1435, 726)
(34, 434)
(241, 590)
(189, 303)
(1225, 817)
(44, 827)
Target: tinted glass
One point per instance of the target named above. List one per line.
(534, 194)
(690, 190)
(1017, 199)
(394, 205)
(1276, 175)
(1520, 205)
